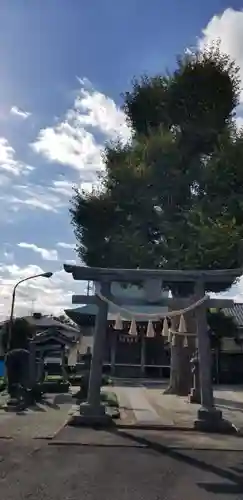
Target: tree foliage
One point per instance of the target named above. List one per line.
(21, 333)
(199, 97)
(221, 326)
(167, 199)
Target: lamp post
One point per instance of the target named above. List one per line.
(41, 275)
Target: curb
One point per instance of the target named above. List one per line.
(170, 428)
(160, 427)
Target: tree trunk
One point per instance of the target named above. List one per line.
(180, 368)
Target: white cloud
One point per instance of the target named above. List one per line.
(239, 118)
(44, 252)
(70, 246)
(8, 163)
(49, 296)
(33, 197)
(8, 256)
(72, 141)
(63, 187)
(33, 203)
(19, 112)
(234, 293)
(67, 145)
(94, 109)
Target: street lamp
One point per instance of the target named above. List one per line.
(41, 275)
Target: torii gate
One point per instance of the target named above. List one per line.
(209, 418)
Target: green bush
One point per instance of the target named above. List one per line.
(109, 399)
(3, 385)
(106, 380)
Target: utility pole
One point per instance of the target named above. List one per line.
(32, 307)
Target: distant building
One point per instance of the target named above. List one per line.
(127, 356)
(43, 324)
(231, 358)
(124, 354)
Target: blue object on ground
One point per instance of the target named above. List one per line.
(2, 368)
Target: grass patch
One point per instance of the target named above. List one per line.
(53, 378)
(3, 384)
(109, 399)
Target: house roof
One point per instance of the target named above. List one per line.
(48, 322)
(235, 312)
(79, 314)
(53, 335)
(91, 310)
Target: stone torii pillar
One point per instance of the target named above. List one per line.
(209, 418)
(92, 411)
(93, 403)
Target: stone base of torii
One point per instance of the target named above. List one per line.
(92, 412)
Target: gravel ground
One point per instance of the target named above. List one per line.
(41, 421)
(137, 470)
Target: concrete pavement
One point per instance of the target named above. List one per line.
(121, 463)
(141, 405)
(137, 466)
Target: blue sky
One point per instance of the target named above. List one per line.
(64, 64)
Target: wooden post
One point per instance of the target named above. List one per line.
(32, 363)
(113, 351)
(143, 351)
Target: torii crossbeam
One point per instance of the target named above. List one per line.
(208, 417)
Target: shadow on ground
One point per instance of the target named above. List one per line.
(45, 404)
(233, 476)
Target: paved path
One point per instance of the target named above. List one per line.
(139, 403)
(147, 405)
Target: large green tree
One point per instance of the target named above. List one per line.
(167, 199)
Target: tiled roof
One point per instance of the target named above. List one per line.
(47, 322)
(91, 310)
(117, 290)
(236, 312)
(49, 334)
